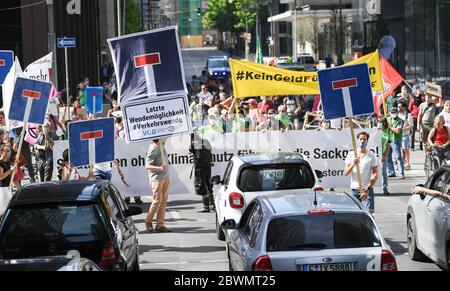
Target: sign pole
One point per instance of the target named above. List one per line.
(19, 150)
(355, 151)
(67, 83)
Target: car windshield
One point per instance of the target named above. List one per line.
(52, 222)
(218, 63)
(321, 231)
(306, 60)
(276, 177)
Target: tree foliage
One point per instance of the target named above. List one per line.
(219, 15)
(133, 17)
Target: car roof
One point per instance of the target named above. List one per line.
(272, 158)
(52, 192)
(303, 201)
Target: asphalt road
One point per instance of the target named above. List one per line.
(192, 246)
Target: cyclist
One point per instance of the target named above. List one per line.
(439, 137)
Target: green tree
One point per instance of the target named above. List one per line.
(246, 13)
(133, 17)
(219, 15)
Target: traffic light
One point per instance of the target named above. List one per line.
(199, 12)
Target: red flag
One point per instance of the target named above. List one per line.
(391, 78)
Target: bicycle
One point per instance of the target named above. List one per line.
(432, 161)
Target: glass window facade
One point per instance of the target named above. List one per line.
(427, 37)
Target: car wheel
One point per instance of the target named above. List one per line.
(219, 233)
(414, 253)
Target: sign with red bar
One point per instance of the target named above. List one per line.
(345, 84)
(31, 94)
(147, 60)
(92, 135)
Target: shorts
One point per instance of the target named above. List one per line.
(424, 132)
(406, 142)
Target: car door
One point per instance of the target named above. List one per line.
(221, 200)
(439, 209)
(130, 233)
(429, 208)
(117, 220)
(243, 252)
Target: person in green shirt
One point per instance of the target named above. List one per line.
(283, 118)
(82, 94)
(383, 126)
(396, 127)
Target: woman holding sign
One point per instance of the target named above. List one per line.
(369, 172)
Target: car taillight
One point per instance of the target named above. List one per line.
(262, 264)
(236, 200)
(322, 211)
(108, 255)
(388, 263)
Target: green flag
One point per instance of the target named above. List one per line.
(259, 55)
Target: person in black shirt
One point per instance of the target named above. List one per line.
(5, 178)
(44, 145)
(201, 149)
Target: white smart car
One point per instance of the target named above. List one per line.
(247, 177)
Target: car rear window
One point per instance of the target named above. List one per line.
(321, 231)
(53, 222)
(306, 60)
(218, 63)
(276, 177)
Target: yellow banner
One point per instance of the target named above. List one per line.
(251, 79)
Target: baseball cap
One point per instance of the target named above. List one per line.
(251, 101)
(394, 110)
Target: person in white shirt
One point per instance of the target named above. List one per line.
(408, 124)
(446, 113)
(205, 95)
(369, 172)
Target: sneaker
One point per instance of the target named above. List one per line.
(386, 192)
(408, 167)
(391, 175)
(204, 210)
(162, 229)
(402, 177)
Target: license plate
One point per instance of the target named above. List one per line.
(341, 267)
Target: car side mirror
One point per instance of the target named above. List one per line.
(228, 224)
(216, 180)
(132, 211)
(319, 174)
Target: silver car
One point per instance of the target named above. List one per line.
(428, 225)
(306, 232)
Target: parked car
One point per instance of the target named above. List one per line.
(247, 177)
(56, 263)
(289, 232)
(91, 217)
(428, 225)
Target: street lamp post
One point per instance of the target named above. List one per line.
(247, 49)
(189, 32)
(294, 49)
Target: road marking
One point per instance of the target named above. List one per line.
(175, 214)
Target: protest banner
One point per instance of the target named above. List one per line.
(251, 79)
(325, 150)
(148, 64)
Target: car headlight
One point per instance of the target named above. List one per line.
(216, 74)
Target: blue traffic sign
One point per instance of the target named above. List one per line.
(91, 142)
(6, 62)
(346, 91)
(30, 100)
(94, 100)
(67, 42)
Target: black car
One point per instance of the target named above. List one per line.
(218, 68)
(51, 219)
(56, 263)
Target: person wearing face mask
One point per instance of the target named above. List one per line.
(404, 96)
(383, 127)
(396, 127)
(213, 126)
(427, 113)
(368, 166)
(407, 127)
